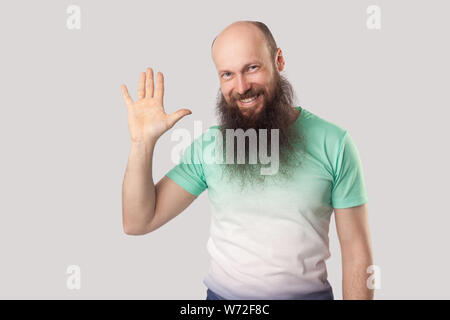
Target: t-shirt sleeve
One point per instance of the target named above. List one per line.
(188, 173)
(349, 189)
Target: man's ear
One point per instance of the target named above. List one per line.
(279, 60)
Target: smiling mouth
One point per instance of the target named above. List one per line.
(250, 101)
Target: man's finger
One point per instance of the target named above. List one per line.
(126, 95)
(177, 115)
(159, 91)
(141, 88)
(149, 83)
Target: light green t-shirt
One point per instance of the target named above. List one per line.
(271, 242)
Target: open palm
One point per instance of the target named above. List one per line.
(147, 119)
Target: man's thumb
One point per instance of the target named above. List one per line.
(177, 115)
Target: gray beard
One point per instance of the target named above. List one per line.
(277, 113)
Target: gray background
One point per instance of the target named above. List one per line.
(65, 139)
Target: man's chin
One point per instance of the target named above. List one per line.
(247, 112)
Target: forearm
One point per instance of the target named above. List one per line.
(138, 189)
(354, 274)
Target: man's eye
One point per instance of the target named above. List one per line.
(253, 67)
(225, 74)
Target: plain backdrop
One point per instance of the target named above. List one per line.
(65, 140)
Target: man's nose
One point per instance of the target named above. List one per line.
(242, 85)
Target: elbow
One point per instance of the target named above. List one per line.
(135, 230)
(131, 232)
(135, 223)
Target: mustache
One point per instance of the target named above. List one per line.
(248, 94)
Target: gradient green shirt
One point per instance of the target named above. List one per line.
(271, 242)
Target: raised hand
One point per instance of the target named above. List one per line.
(147, 119)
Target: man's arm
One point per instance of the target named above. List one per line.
(354, 237)
(171, 199)
(145, 206)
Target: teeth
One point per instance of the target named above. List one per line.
(249, 99)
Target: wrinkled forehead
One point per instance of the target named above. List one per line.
(233, 50)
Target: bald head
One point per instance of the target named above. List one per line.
(253, 33)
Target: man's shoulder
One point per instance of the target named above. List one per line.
(320, 128)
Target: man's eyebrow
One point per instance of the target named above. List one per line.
(245, 67)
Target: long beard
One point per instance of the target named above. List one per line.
(276, 113)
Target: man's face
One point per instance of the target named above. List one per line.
(245, 70)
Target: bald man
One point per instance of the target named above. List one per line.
(269, 232)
